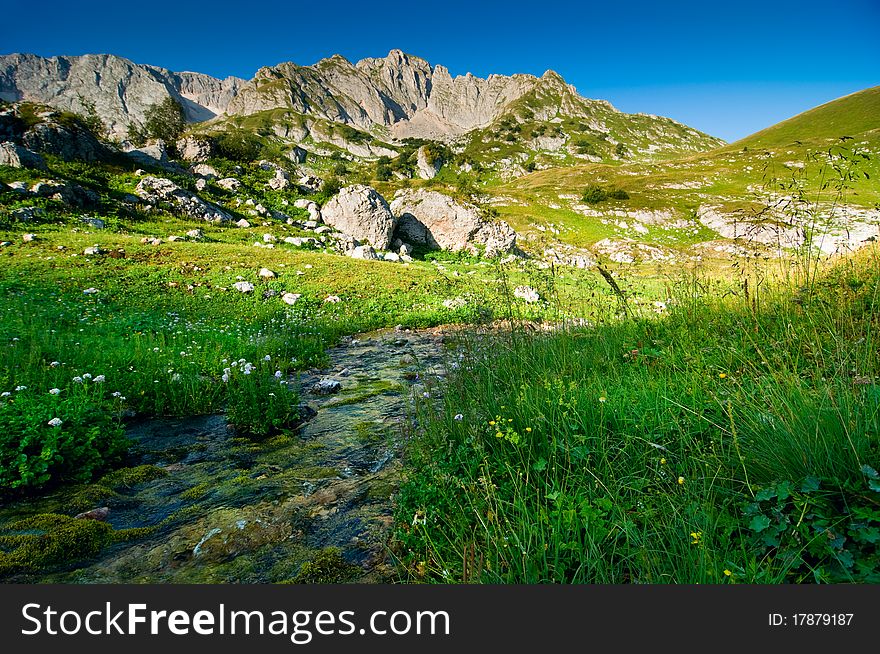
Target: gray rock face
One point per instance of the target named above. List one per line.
(121, 90)
(362, 213)
(437, 221)
(16, 156)
(159, 190)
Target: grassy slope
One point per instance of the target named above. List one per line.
(850, 115)
(735, 177)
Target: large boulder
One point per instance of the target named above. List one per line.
(439, 222)
(16, 156)
(362, 213)
(70, 144)
(154, 153)
(156, 190)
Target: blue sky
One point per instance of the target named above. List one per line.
(725, 68)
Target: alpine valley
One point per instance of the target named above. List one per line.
(374, 322)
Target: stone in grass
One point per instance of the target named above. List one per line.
(326, 387)
(265, 273)
(243, 287)
(28, 238)
(290, 298)
(526, 294)
(93, 251)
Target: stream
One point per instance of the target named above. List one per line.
(228, 509)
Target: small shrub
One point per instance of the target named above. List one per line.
(594, 194)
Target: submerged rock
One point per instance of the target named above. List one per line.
(326, 387)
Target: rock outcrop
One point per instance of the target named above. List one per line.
(437, 221)
(362, 213)
(68, 143)
(158, 190)
(15, 156)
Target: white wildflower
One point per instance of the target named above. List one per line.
(55, 422)
(100, 379)
(54, 391)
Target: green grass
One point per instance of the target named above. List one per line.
(725, 442)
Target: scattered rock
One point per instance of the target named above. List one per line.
(93, 251)
(265, 273)
(526, 293)
(243, 223)
(95, 223)
(363, 252)
(160, 190)
(290, 298)
(204, 170)
(27, 214)
(195, 234)
(229, 183)
(269, 238)
(280, 182)
(28, 238)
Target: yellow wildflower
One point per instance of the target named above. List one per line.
(727, 573)
(681, 480)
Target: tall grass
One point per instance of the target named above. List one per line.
(714, 444)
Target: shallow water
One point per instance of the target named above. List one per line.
(234, 510)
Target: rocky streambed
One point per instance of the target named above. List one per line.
(201, 505)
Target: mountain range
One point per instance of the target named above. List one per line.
(390, 99)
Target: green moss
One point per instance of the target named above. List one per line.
(48, 539)
(88, 497)
(135, 533)
(327, 567)
(316, 472)
(197, 492)
(129, 477)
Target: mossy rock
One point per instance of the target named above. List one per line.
(327, 567)
(88, 497)
(129, 477)
(49, 539)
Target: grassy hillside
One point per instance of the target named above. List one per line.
(851, 115)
